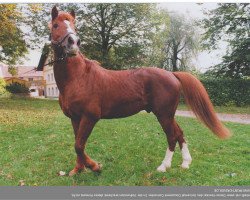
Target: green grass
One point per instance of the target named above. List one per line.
(223, 109)
(37, 142)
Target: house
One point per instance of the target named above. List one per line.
(25, 75)
(51, 90)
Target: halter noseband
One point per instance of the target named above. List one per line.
(59, 43)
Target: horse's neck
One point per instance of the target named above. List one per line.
(67, 71)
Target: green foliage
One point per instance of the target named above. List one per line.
(237, 63)
(154, 50)
(2, 86)
(17, 88)
(229, 22)
(12, 70)
(120, 28)
(228, 92)
(130, 150)
(12, 43)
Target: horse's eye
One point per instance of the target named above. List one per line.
(55, 25)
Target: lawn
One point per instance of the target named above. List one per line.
(37, 142)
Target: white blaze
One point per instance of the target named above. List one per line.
(166, 163)
(70, 30)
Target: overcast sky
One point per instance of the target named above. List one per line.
(204, 59)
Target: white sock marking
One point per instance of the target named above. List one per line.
(166, 163)
(185, 156)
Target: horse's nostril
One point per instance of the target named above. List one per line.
(78, 42)
(70, 40)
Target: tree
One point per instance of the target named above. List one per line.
(12, 43)
(115, 34)
(181, 44)
(159, 32)
(229, 22)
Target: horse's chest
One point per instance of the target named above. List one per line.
(76, 105)
(72, 105)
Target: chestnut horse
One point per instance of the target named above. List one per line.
(89, 93)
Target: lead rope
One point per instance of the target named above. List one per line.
(54, 61)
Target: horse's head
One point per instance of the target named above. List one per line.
(63, 33)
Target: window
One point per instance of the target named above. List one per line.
(48, 77)
(30, 79)
(52, 91)
(48, 91)
(52, 77)
(32, 90)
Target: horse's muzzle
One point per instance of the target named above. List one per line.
(72, 46)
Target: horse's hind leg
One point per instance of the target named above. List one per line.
(186, 157)
(168, 128)
(174, 134)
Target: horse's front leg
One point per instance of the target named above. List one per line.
(79, 165)
(86, 125)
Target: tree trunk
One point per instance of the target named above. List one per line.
(174, 60)
(104, 36)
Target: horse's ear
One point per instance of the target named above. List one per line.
(54, 12)
(72, 12)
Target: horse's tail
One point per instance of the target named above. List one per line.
(197, 98)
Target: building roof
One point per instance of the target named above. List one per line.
(22, 71)
(15, 79)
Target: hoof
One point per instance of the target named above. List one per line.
(162, 168)
(96, 168)
(185, 164)
(75, 171)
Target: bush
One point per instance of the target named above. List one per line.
(228, 91)
(2, 86)
(17, 88)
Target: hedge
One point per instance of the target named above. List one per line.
(228, 92)
(17, 88)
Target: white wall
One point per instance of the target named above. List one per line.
(51, 90)
(1, 71)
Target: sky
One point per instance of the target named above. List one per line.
(203, 60)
